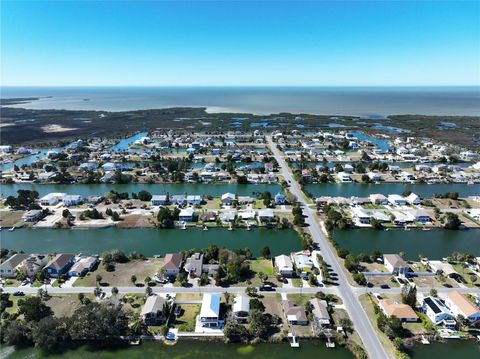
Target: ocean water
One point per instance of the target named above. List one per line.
(360, 101)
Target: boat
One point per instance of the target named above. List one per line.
(248, 227)
(406, 228)
(424, 340)
(184, 226)
(12, 229)
(0, 228)
(205, 228)
(426, 229)
(230, 228)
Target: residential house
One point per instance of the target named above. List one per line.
(172, 263)
(396, 200)
(228, 198)
(303, 262)
(33, 264)
(421, 215)
(152, 311)
(72, 200)
(241, 307)
(207, 217)
(460, 305)
(32, 216)
(284, 265)
(395, 264)
(360, 215)
(320, 312)
(245, 200)
(7, 268)
(279, 198)
(266, 215)
(344, 177)
(374, 176)
(402, 311)
(186, 215)
(194, 200)
(59, 265)
(83, 266)
(444, 268)
(413, 199)
(194, 265)
(159, 200)
(179, 199)
(210, 311)
(295, 315)
(51, 199)
(378, 199)
(436, 311)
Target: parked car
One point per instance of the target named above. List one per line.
(18, 293)
(178, 310)
(385, 286)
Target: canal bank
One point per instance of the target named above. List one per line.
(193, 350)
(85, 190)
(365, 189)
(434, 244)
(148, 242)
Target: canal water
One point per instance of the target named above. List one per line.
(194, 350)
(452, 349)
(434, 244)
(364, 189)
(149, 242)
(157, 188)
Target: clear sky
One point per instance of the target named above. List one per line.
(240, 43)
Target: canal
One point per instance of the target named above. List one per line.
(434, 244)
(149, 242)
(364, 189)
(194, 350)
(85, 190)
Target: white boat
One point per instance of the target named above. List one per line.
(230, 228)
(205, 228)
(184, 226)
(12, 229)
(426, 229)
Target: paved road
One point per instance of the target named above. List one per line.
(357, 314)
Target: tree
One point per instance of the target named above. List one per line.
(49, 333)
(259, 323)
(33, 309)
(147, 280)
(409, 295)
(17, 333)
(114, 291)
(251, 291)
(98, 279)
(452, 221)
(165, 218)
(359, 278)
(144, 196)
(263, 277)
(148, 291)
(433, 292)
(81, 297)
(234, 331)
(265, 252)
(133, 279)
(256, 304)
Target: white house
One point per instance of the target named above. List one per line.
(360, 215)
(395, 264)
(413, 199)
(159, 200)
(194, 200)
(186, 214)
(51, 199)
(344, 177)
(459, 305)
(379, 199)
(241, 307)
(303, 262)
(374, 176)
(152, 311)
(228, 198)
(32, 216)
(210, 312)
(72, 200)
(284, 265)
(396, 200)
(7, 268)
(436, 311)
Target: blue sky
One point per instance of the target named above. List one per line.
(240, 43)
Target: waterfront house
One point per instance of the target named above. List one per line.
(51, 199)
(243, 200)
(152, 311)
(378, 199)
(420, 215)
(228, 198)
(395, 264)
(159, 200)
(32, 216)
(413, 199)
(402, 311)
(179, 199)
(402, 218)
(172, 263)
(373, 176)
(295, 315)
(436, 311)
(444, 268)
(194, 265)
(210, 311)
(228, 216)
(194, 200)
(186, 215)
(320, 312)
(83, 266)
(303, 263)
(407, 176)
(72, 200)
(59, 265)
(207, 217)
(360, 215)
(344, 177)
(266, 215)
(396, 200)
(109, 166)
(33, 264)
(284, 265)
(279, 198)
(460, 305)
(8, 268)
(241, 307)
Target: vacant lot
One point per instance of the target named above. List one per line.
(185, 322)
(121, 277)
(65, 304)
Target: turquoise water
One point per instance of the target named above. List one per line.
(157, 188)
(361, 101)
(147, 241)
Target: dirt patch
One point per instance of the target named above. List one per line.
(136, 221)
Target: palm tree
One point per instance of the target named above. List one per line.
(147, 280)
(98, 279)
(133, 278)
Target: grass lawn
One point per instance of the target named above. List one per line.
(10, 218)
(185, 322)
(300, 299)
(297, 282)
(121, 277)
(188, 296)
(63, 305)
(262, 265)
(12, 282)
(466, 274)
(13, 309)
